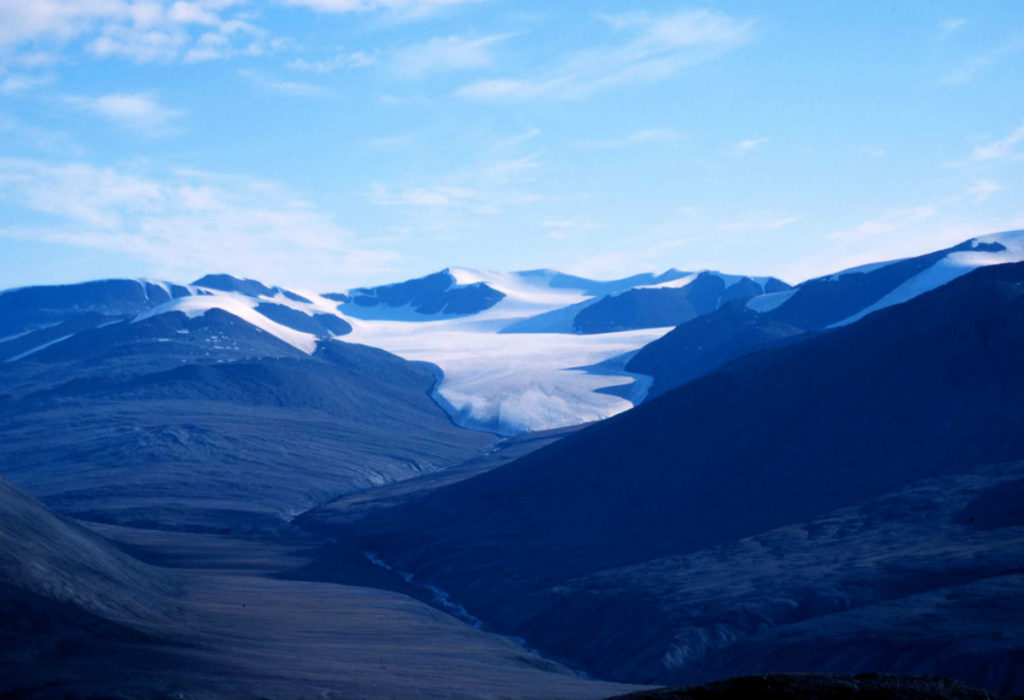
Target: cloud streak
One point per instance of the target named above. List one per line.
(186, 223)
(969, 70)
(448, 53)
(743, 148)
(657, 49)
(290, 88)
(636, 138)
(998, 150)
(401, 8)
(140, 112)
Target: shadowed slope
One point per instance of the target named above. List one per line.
(916, 391)
(211, 423)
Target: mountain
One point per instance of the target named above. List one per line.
(701, 345)
(70, 600)
(708, 342)
(246, 287)
(670, 303)
(436, 294)
(27, 309)
(209, 422)
(544, 350)
(516, 351)
(765, 516)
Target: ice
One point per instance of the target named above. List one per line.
(511, 383)
(236, 305)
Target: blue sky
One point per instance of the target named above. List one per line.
(331, 143)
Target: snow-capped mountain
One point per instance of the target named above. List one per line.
(703, 344)
(517, 351)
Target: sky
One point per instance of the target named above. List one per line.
(327, 144)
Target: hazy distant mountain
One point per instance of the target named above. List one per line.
(627, 546)
(518, 351)
(436, 294)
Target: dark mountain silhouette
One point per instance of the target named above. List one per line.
(925, 390)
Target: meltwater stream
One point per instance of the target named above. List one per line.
(443, 600)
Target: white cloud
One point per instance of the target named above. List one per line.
(142, 30)
(642, 136)
(905, 221)
(36, 59)
(559, 229)
(950, 26)
(998, 149)
(504, 170)
(357, 59)
(967, 71)
(290, 88)
(758, 224)
(449, 53)
(20, 83)
(742, 148)
(659, 48)
(137, 111)
(436, 196)
(53, 19)
(402, 8)
(186, 223)
(983, 189)
(888, 222)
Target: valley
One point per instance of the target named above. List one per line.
(454, 487)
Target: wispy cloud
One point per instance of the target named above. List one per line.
(1003, 148)
(482, 201)
(290, 88)
(136, 111)
(512, 168)
(401, 8)
(185, 222)
(20, 82)
(338, 61)
(969, 69)
(981, 190)
(951, 26)
(449, 53)
(435, 196)
(641, 136)
(743, 148)
(762, 223)
(657, 48)
(559, 229)
(888, 222)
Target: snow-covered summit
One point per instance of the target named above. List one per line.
(517, 351)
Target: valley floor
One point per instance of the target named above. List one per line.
(298, 617)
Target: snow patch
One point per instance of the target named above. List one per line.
(767, 302)
(239, 306)
(38, 348)
(671, 284)
(949, 268)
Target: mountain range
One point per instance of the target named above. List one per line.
(669, 478)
